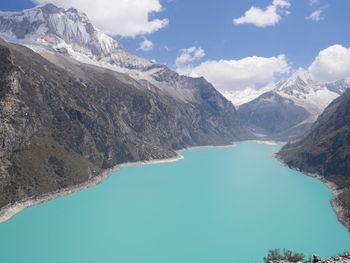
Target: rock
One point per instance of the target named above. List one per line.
(316, 258)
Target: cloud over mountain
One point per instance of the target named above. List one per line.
(239, 74)
(146, 45)
(189, 55)
(331, 64)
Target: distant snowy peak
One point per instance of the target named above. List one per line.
(240, 97)
(301, 76)
(300, 82)
(300, 88)
(339, 86)
(306, 92)
(69, 32)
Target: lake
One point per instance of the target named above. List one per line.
(219, 205)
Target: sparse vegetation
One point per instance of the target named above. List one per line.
(286, 255)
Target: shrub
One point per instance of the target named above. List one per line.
(286, 255)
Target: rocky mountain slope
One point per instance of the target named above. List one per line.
(300, 101)
(273, 115)
(325, 150)
(64, 121)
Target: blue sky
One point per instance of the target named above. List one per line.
(209, 25)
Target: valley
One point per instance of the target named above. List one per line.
(197, 158)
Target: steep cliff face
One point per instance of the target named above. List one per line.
(325, 150)
(62, 123)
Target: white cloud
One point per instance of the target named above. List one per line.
(239, 74)
(314, 2)
(316, 16)
(127, 18)
(146, 45)
(265, 17)
(331, 64)
(188, 56)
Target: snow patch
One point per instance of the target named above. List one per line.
(240, 97)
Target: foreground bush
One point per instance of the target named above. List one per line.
(285, 255)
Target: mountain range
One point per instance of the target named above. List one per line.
(283, 111)
(287, 109)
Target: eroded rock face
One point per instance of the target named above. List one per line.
(63, 123)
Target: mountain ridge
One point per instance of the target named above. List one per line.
(304, 101)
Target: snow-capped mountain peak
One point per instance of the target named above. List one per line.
(299, 88)
(306, 92)
(239, 97)
(301, 75)
(300, 81)
(69, 32)
(339, 86)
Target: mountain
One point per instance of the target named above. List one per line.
(56, 33)
(325, 150)
(64, 121)
(271, 114)
(305, 92)
(68, 32)
(340, 86)
(290, 108)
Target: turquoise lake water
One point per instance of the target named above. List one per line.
(218, 205)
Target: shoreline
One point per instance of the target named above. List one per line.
(336, 205)
(206, 147)
(11, 210)
(267, 142)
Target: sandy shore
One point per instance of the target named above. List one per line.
(204, 147)
(337, 207)
(267, 142)
(11, 210)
